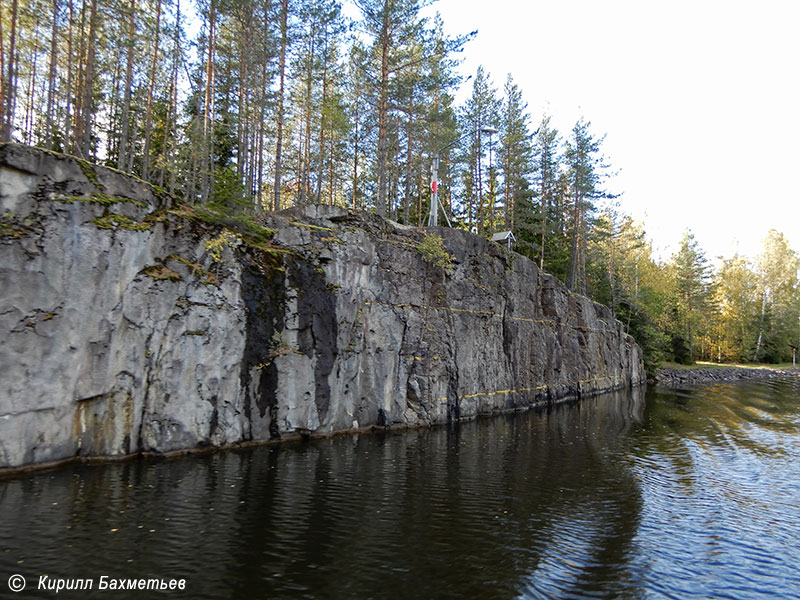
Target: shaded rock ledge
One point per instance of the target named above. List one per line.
(132, 323)
(681, 377)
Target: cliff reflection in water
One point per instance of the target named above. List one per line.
(473, 510)
(693, 494)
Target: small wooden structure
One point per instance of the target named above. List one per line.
(504, 236)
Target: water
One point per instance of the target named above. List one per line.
(680, 494)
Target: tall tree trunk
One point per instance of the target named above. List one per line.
(581, 280)
(87, 103)
(508, 205)
(383, 94)
(322, 121)
(197, 164)
(51, 79)
(761, 325)
(10, 88)
(355, 155)
(305, 175)
(479, 173)
(113, 125)
(3, 85)
(472, 196)
(122, 156)
(491, 199)
(80, 74)
(545, 203)
(241, 120)
(264, 85)
(573, 263)
(396, 173)
(635, 306)
(148, 119)
(171, 129)
(282, 75)
(420, 211)
(31, 93)
(166, 144)
(611, 269)
(449, 189)
(246, 51)
(70, 44)
(207, 159)
(330, 173)
(409, 156)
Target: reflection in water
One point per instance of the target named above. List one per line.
(720, 478)
(694, 493)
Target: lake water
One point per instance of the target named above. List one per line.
(690, 493)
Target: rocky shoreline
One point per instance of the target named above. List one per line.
(680, 377)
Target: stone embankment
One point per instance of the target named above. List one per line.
(132, 323)
(681, 377)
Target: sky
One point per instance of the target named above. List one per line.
(699, 102)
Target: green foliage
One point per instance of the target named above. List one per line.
(777, 286)
(481, 111)
(161, 273)
(101, 199)
(733, 335)
(216, 245)
(515, 154)
(679, 312)
(690, 301)
(88, 170)
(356, 117)
(246, 226)
(538, 221)
(208, 278)
(228, 196)
(433, 251)
(585, 173)
(113, 221)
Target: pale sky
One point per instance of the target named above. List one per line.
(698, 100)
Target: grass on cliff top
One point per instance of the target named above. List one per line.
(710, 365)
(245, 225)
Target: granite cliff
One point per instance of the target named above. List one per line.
(133, 323)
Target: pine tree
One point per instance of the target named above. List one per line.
(283, 20)
(692, 294)
(515, 154)
(586, 172)
(51, 76)
(546, 172)
(8, 74)
(480, 113)
(393, 26)
(316, 84)
(357, 109)
(440, 117)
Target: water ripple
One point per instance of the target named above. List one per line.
(693, 494)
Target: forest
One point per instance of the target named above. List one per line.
(246, 106)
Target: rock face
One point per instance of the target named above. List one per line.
(131, 323)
